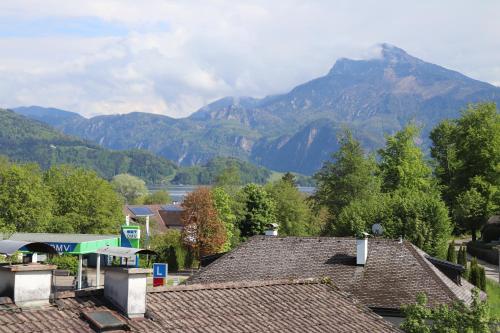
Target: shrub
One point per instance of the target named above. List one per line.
(452, 254)
(65, 261)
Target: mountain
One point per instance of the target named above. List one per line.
(297, 130)
(50, 116)
(27, 140)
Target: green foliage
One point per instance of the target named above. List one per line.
(222, 171)
(477, 274)
(130, 187)
(289, 178)
(223, 204)
(259, 210)
(25, 199)
(347, 177)
(402, 164)
(467, 152)
(26, 140)
(170, 249)
(419, 318)
(462, 260)
(292, 211)
(493, 292)
(452, 253)
(67, 262)
(157, 198)
(84, 202)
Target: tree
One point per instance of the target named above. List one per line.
(469, 211)
(170, 249)
(157, 198)
(477, 274)
(202, 231)
(458, 317)
(467, 152)
(418, 211)
(26, 202)
(259, 210)
(348, 176)
(229, 179)
(402, 164)
(289, 178)
(223, 205)
(130, 187)
(452, 253)
(292, 212)
(84, 202)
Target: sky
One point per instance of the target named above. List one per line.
(173, 57)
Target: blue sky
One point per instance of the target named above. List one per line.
(173, 57)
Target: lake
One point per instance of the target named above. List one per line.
(178, 192)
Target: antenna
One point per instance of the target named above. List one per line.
(377, 229)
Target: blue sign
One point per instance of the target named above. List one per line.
(160, 270)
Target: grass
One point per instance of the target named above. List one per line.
(493, 291)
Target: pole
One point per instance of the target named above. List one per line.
(98, 271)
(80, 264)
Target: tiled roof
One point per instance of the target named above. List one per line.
(393, 275)
(273, 306)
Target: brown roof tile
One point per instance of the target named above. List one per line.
(392, 277)
(272, 306)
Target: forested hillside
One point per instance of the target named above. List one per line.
(27, 140)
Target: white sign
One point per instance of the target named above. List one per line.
(132, 233)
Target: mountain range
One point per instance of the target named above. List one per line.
(28, 140)
(298, 130)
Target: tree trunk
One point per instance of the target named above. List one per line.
(473, 235)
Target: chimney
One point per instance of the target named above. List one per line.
(361, 249)
(27, 284)
(272, 229)
(126, 289)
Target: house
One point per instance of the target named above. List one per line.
(162, 217)
(491, 230)
(126, 305)
(172, 216)
(383, 274)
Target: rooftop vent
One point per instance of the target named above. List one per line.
(104, 320)
(271, 229)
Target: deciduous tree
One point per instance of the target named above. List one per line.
(259, 210)
(130, 187)
(203, 231)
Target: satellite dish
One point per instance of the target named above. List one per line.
(377, 229)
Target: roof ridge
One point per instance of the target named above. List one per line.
(242, 285)
(426, 265)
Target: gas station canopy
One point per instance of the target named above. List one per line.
(9, 247)
(123, 252)
(67, 243)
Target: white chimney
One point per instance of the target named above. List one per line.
(27, 284)
(272, 229)
(361, 249)
(126, 288)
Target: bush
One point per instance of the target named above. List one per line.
(452, 254)
(477, 275)
(173, 264)
(65, 261)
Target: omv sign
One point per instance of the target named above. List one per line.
(63, 247)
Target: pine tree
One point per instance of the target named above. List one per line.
(452, 254)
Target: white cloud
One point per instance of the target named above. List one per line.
(177, 56)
